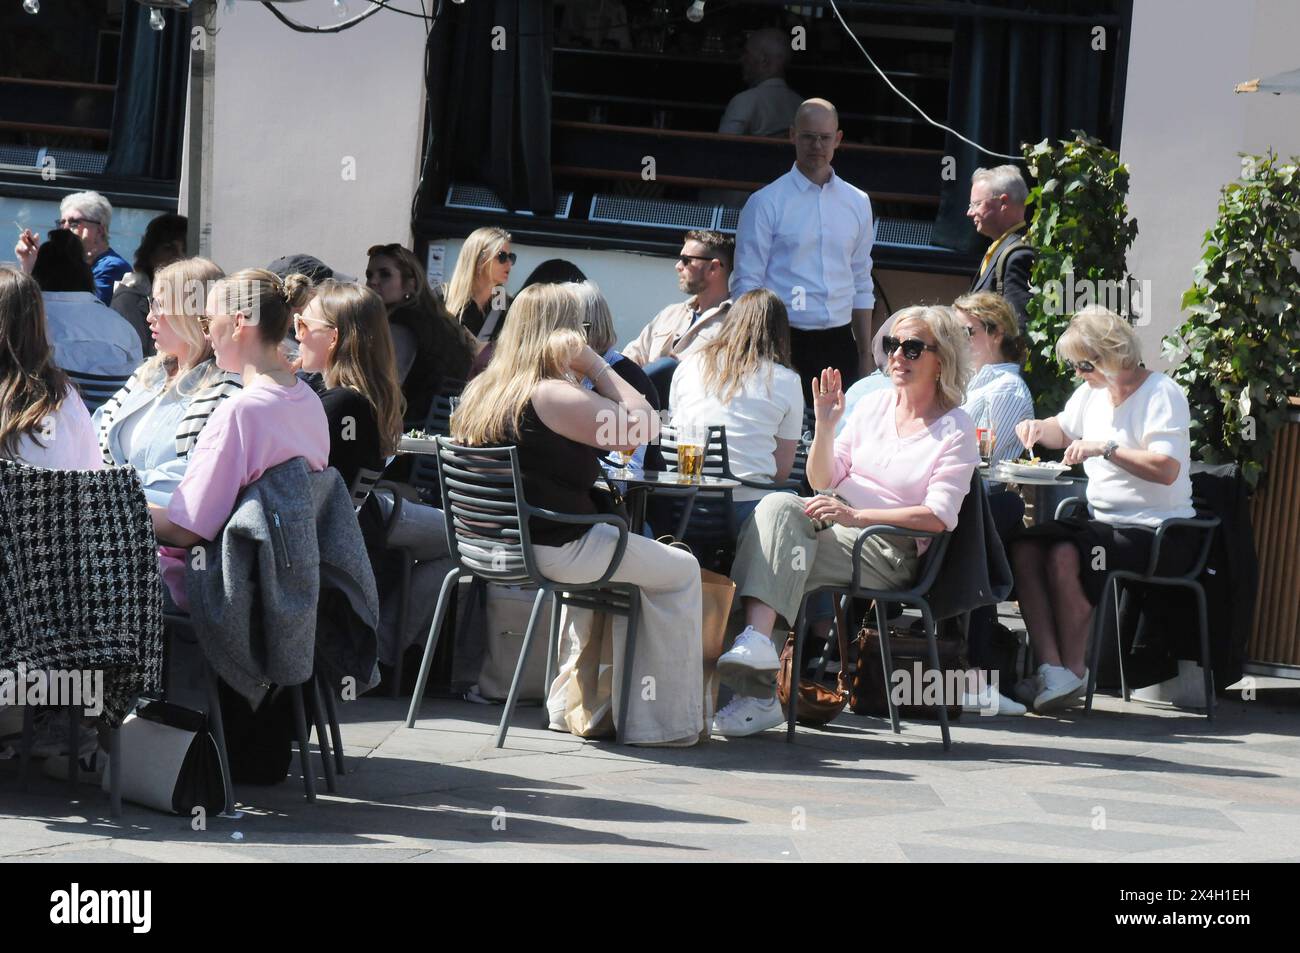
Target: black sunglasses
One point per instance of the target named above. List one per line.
(506, 256)
(988, 328)
(687, 259)
(1081, 367)
(912, 348)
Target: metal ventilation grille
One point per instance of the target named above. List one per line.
(904, 233)
(730, 220)
(482, 199)
(653, 213)
(86, 163)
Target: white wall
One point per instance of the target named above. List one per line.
(289, 109)
(1183, 128)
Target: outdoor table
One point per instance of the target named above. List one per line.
(1033, 490)
(638, 485)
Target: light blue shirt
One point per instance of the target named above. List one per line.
(89, 337)
(143, 435)
(999, 394)
(809, 244)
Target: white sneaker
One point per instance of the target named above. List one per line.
(1061, 688)
(752, 655)
(989, 703)
(1027, 689)
(745, 715)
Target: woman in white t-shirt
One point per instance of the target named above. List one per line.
(1128, 426)
(43, 422)
(742, 379)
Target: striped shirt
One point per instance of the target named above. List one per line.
(201, 406)
(997, 392)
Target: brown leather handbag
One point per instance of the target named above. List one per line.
(818, 705)
(867, 689)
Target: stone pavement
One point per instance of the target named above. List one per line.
(1129, 782)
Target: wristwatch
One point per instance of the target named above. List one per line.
(1109, 449)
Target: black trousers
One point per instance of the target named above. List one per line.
(811, 352)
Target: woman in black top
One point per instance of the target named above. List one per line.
(431, 347)
(531, 396)
(343, 334)
(476, 292)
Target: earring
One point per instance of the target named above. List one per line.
(407, 296)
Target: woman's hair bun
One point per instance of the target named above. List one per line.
(297, 290)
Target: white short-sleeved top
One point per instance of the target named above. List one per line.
(1155, 417)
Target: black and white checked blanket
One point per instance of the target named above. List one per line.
(79, 583)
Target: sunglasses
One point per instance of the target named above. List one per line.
(687, 259)
(74, 222)
(506, 256)
(970, 332)
(1081, 367)
(913, 348)
(204, 323)
(300, 323)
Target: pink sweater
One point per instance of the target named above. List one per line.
(259, 427)
(875, 468)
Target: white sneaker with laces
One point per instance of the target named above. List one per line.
(1027, 689)
(752, 654)
(746, 715)
(1061, 688)
(989, 703)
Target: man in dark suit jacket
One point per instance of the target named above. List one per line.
(997, 207)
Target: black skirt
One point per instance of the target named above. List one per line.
(1105, 547)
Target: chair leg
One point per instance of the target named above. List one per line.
(1203, 620)
(552, 652)
(431, 645)
(25, 746)
(1120, 601)
(218, 729)
(115, 772)
(629, 661)
(933, 640)
(74, 745)
(887, 663)
(792, 703)
(403, 614)
(1098, 631)
(519, 666)
(311, 692)
(304, 747)
(332, 714)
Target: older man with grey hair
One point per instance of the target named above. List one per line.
(768, 106)
(997, 208)
(88, 215)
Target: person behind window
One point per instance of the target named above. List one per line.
(154, 421)
(768, 105)
(743, 380)
(87, 215)
(343, 335)
(428, 344)
(87, 337)
(43, 422)
(905, 459)
(1129, 427)
(475, 295)
(162, 244)
(272, 419)
(530, 397)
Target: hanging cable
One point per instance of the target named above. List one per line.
(375, 7)
(903, 96)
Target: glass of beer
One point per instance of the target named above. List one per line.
(987, 438)
(691, 439)
(625, 462)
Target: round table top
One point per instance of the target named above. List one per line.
(650, 479)
(417, 445)
(997, 475)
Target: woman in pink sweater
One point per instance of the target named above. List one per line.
(905, 458)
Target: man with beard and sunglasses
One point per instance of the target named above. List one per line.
(703, 271)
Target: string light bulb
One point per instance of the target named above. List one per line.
(32, 6)
(695, 12)
(156, 21)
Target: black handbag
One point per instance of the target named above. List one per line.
(169, 760)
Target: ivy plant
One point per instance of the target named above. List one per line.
(1082, 231)
(1240, 343)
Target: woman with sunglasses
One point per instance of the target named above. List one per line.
(997, 395)
(154, 421)
(1129, 427)
(272, 419)
(905, 458)
(476, 293)
(430, 347)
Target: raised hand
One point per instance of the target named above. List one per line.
(828, 398)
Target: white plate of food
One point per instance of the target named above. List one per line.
(1035, 469)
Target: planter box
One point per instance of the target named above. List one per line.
(1275, 513)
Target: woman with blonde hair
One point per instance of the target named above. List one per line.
(743, 379)
(482, 267)
(154, 421)
(530, 397)
(1129, 427)
(43, 422)
(343, 335)
(905, 458)
(429, 345)
(272, 419)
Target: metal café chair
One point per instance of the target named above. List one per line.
(1115, 595)
(95, 389)
(914, 596)
(489, 540)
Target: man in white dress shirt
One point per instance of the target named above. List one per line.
(807, 236)
(768, 106)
